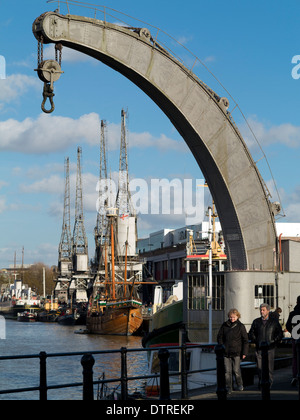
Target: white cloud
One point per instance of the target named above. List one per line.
(142, 140)
(44, 252)
(48, 133)
(209, 59)
(3, 184)
(68, 55)
(267, 134)
(15, 86)
(52, 185)
(2, 204)
(183, 40)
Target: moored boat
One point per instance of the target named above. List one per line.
(67, 319)
(115, 307)
(118, 318)
(27, 316)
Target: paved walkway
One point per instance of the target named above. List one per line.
(281, 389)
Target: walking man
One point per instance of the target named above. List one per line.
(265, 330)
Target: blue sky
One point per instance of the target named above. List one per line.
(248, 46)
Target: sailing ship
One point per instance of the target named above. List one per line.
(115, 306)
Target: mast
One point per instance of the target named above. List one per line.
(125, 269)
(22, 269)
(113, 261)
(106, 269)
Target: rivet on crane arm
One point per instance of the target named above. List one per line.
(49, 71)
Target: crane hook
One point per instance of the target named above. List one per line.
(48, 93)
(49, 71)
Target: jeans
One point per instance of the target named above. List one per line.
(271, 357)
(233, 367)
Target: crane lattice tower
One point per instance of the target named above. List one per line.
(80, 244)
(123, 200)
(103, 189)
(65, 245)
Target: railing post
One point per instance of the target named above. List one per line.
(164, 389)
(265, 380)
(124, 390)
(43, 376)
(184, 388)
(298, 365)
(87, 362)
(221, 381)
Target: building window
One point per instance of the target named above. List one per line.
(198, 292)
(264, 293)
(218, 292)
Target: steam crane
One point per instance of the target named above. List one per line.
(65, 245)
(80, 257)
(102, 203)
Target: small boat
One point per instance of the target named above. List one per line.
(72, 316)
(27, 316)
(47, 316)
(67, 319)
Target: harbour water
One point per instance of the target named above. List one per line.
(32, 338)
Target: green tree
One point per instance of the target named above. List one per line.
(33, 277)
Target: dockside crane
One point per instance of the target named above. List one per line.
(80, 244)
(80, 277)
(102, 203)
(123, 200)
(65, 245)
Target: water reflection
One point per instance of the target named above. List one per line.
(31, 338)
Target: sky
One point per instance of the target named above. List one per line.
(251, 48)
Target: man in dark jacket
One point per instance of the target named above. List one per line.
(292, 321)
(265, 330)
(233, 336)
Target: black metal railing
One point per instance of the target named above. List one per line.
(88, 382)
